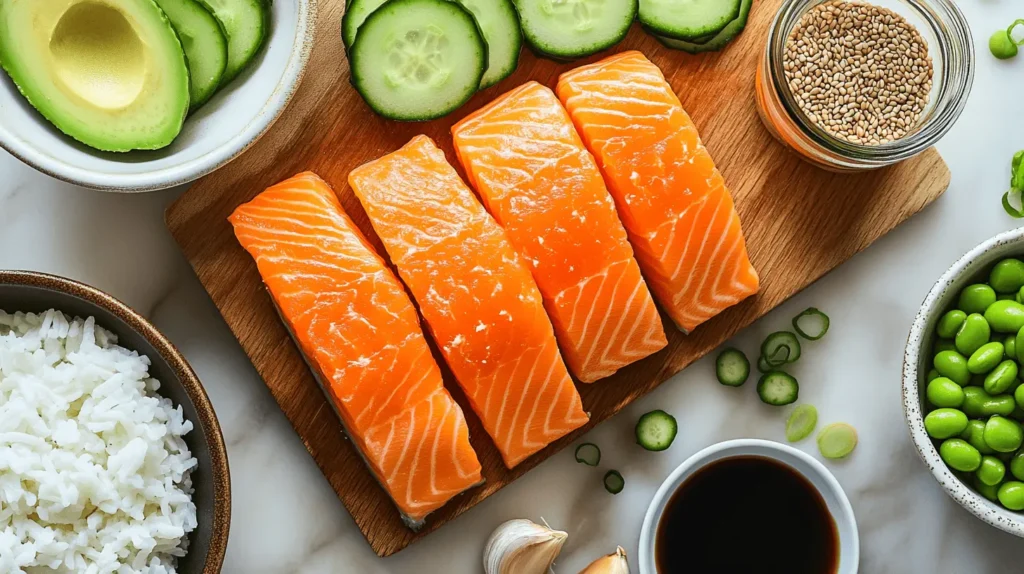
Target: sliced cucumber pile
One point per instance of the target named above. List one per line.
(499, 24)
(205, 45)
(245, 22)
(708, 42)
(416, 60)
(567, 29)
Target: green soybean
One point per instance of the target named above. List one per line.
(985, 358)
(1017, 465)
(1001, 378)
(1020, 295)
(932, 375)
(943, 345)
(950, 323)
(976, 298)
(1018, 346)
(1003, 434)
(945, 423)
(1010, 347)
(989, 491)
(991, 471)
(1011, 495)
(943, 392)
(1018, 395)
(960, 455)
(953, 366)
(973, 333)
(974, 434)
(1002, 45)
(1005, 316)
(1007, 276)
(977, 403)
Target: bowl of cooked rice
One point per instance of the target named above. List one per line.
(111, 456)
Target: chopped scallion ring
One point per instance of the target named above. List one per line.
(1015, 212)
(815, 321)
(613, 482)
(779, 348)
(588, 453)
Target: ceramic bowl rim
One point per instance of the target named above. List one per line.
(965, 496)
(212, 434)
(198, 167)
(765, 448)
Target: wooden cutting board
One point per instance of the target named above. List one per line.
(799, 221)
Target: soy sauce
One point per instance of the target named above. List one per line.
(743, 515)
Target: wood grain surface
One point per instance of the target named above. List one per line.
(800, 222)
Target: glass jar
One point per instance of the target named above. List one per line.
(945, 30)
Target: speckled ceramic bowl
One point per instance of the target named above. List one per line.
(237, 116)
(970, 268)
(30, 291)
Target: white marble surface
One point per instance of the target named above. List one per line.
(287, 519)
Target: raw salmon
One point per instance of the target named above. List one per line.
(672, 200)
(360, 333)
(476, 294)
(523, 156)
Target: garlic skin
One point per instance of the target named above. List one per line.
(612, 564)
(522, 547)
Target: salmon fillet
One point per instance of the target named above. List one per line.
(361, 335)
(523, 156)
(671, 198)
(477, 296)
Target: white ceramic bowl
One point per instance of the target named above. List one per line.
(968, 269)
(815, 472)
(218, 132)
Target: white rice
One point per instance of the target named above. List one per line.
(94, 473)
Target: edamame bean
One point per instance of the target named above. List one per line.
(943, 345)
(1018, 395)
(976, 298)
(1020, 295)
(945, 423)
(950, 323)
(1003, 434)
(991, 471)
(1001, 378)
(973, 333)
(1011, 495)
(985, 358)
(990, 492)
(1018, 344)
(1017, 465)
(974, 434)
(977, 403)
(1007, 276)
(1010, 347)
(1005, 316)
(953, 366)
(959, 455)
(943, 392)
(932, 375)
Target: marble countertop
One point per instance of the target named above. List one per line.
(287, 519)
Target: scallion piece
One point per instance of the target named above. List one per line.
(801, 423)
(837, 440)
(780, 347)
(815, 321)
(1016, 213)
(588, 453)
(613, 482)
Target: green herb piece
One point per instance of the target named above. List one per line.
(588, 453)
(1016, 192)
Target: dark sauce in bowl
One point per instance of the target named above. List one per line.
(747, 514)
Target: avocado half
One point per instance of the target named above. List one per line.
(110, 73)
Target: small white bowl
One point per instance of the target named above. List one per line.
(815, 472)
(217, 133)
(966, 270)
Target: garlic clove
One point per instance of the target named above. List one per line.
(612, 564)
(522, 547)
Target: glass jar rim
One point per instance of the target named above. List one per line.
(956, 50)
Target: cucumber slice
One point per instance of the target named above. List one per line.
(613, 482)
(718, 41)
(687, 19)
(499, 24)
(656, 430)
(732, 367)
(356, 12)
(204, 43)
(416, 60)
(780, 347)
(568, 29)
(763, 366)
(245, 23)
(811, 324)
(589, 454)
(777, 388)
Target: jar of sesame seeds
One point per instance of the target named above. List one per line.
(851, 85)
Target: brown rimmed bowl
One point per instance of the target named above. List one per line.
(35, 292)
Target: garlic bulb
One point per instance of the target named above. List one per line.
(611, 564)
(522, 547)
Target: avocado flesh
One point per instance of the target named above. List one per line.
(109, 73)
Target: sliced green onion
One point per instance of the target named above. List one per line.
(816, 322)
(613, 482)
(588, 454)
(1016, 213)
(801, 423)
(780, 347)
(837, 440)
(1016, 173)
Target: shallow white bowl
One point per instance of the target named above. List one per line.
(969, 268)
(217, 133)
(815, 472)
